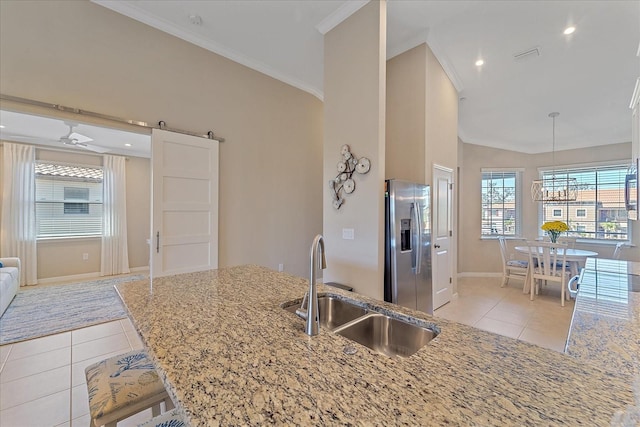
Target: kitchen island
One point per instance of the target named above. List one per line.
(229, 354)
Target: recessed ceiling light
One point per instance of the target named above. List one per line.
(1, 126)
(569, 30)
(479, 63)
(127, 145)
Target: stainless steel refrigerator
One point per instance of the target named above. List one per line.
(407, 277)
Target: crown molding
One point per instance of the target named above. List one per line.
(347, 9)
(636, 95)
(405, 45)
(134, 12)
(442, 57)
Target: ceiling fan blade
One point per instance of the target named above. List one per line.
(79, 137)
(93, 148)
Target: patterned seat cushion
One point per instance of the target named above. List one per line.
(120, 381)
(168, 419)
(518, 263)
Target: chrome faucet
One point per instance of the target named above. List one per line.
(311, 297)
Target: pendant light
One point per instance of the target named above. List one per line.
(554, 190)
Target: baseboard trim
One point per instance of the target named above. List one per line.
(85, 276)
(471, 274)
(73, 277)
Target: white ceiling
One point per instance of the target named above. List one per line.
(588, 76)
(47, 131)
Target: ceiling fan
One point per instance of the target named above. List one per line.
(78, 140)
(71, 139)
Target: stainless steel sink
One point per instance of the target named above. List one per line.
(334, 312)
(386, 335)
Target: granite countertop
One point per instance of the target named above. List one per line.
(230, 355)
(605, 328)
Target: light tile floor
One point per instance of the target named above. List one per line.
(482, 303)
(42, 381)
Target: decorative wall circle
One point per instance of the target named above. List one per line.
(349, 185)
(363, 165)
(344, 179)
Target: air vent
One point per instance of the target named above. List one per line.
(527, 54)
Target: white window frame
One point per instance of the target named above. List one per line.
(518, 202)
(623, 163)
(95, 233)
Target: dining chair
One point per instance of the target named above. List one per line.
(618, 250)
(512, 268)
(570, 241)
(548, 262)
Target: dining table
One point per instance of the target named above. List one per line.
(575, 258)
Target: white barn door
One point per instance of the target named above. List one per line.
(184, 202)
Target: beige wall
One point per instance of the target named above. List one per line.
(138, 210)
(354, 105)
(441, 114)
(80, 54)
(482, 256)
(405, 116)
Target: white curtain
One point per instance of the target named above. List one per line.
(18, 237)
(115, 256)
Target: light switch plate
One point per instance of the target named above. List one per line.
(348, 234)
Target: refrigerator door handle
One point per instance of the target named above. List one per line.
(418, 248)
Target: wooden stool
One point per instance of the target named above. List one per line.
(122, 386)
(168, 419)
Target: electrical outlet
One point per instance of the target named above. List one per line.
(348, 234)
(280, 267)
(85, 256)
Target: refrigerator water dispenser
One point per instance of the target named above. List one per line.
(405, 235)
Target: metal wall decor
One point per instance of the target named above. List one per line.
(344, 180)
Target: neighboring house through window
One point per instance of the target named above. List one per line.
(599, 213)
(500, 202)
(68, 200)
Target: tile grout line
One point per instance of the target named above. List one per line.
(71, 380)
(6, 359)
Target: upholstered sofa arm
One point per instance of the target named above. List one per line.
(10, 262)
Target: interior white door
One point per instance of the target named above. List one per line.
(442, 236)
(184, 201)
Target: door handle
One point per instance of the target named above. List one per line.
(414, 238)
(418, 237)
(158, 242)
(437, 246)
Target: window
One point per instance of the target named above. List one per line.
(557, 212)
(500, 203)
(68, 200)
(599, 213)
(71, 193)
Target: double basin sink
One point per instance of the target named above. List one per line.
(379, 332)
